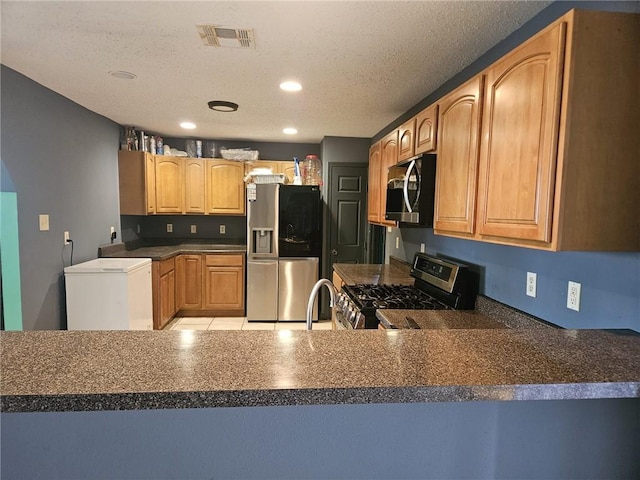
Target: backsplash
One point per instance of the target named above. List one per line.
(207, 227)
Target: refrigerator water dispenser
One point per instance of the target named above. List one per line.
(262, 241)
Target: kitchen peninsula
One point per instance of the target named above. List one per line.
(141, 404)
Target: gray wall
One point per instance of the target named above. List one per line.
(520, 439)
(610, 296)
(62, 159)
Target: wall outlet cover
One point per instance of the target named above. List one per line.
(194, 229)
(531, 284)
(169, 227)
(573, 296)
(223, 229)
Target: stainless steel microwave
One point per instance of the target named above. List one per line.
(411, 188)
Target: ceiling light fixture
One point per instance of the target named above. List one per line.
(289, 131)
(222, 106)
(290, 86)
(188, 125)
(121, 74)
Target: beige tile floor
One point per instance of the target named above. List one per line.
(240, 323)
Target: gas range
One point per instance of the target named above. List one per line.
(439, 284)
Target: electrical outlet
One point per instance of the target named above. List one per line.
(113, 233)
(531, 284)
(137, 228)
(397, 243)
(422, 248)
(223, 229)
(169, 227)
(573, 296)
(112, 229)
(194, 229)
(67, 237)
(43, 221)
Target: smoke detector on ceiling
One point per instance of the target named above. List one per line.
(218, 36)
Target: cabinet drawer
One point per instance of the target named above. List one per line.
(167, 265)
(224, 260)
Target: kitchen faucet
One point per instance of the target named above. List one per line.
(314, 293)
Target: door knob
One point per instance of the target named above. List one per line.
(334, 252)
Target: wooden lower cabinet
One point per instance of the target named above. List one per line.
(224, 283)
(189, 282)
(163, 277)
(195, 285)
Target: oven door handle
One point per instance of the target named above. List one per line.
(405, 188)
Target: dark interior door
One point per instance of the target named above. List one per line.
(346, 228)
(348, 214)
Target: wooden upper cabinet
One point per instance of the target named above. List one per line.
(137, 183)
(225, 187)
(194, 185)
(389, 156)
(457, 163)
(150, 183)
(406, 140)
(520, 136)
(288, 168)
(169, 184)
(558, 164)
(373, 194)
(277, 166)
(426, 130)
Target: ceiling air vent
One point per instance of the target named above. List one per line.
(217, 36)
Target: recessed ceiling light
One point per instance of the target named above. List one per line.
(289, 131)
(122, 75)
(188, 125)
(223, 106)
(291, 86)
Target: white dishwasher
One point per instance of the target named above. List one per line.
(109, 294)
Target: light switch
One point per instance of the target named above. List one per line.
(44, 222)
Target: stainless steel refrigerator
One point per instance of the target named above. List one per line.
(284, 241)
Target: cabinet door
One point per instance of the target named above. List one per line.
(169, 184)
(137, 183)
(189, 282)
(150, 183)
(288, 168)
(389, 154)
(406, 140)
(373, 194)
(225, 187)
(224, 282)
(426, 129)
(458, 151)
(180, 281)
(194, 192)
(520, 132)
(167, 297)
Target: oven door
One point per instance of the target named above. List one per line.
(339, 322)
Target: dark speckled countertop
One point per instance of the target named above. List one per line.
(128, 370)
(162, 252)
(437, 319)
(391, 274)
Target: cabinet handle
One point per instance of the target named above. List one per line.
(334, 252)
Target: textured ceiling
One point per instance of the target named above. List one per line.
(362, 64)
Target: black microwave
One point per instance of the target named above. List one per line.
(411, 188)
